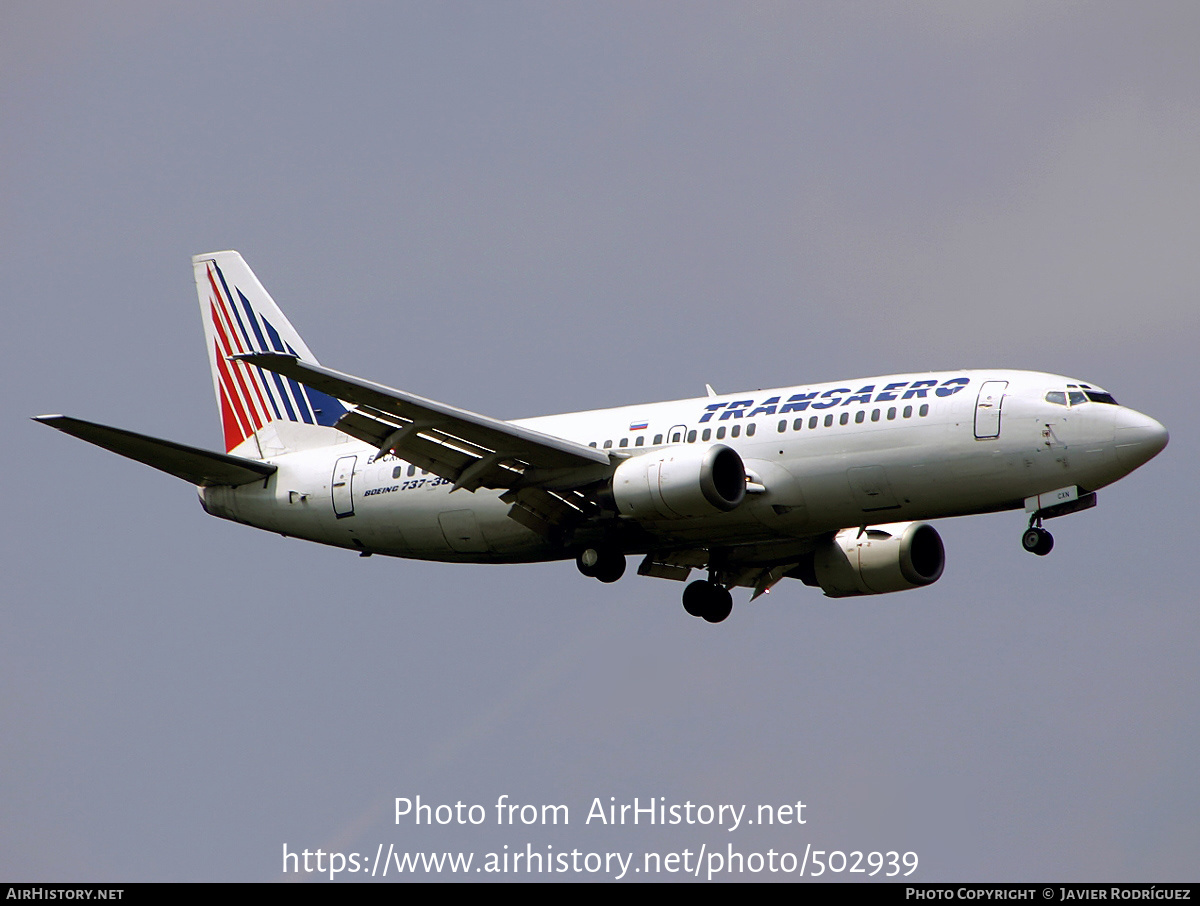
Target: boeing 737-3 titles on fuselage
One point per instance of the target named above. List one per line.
(830, 484)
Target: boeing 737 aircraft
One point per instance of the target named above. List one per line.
(826, 483)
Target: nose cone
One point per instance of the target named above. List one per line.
(1138, 438)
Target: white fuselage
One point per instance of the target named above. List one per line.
(818, 458)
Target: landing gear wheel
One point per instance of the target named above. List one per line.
(587, 561)
(695, 598)
(720, 605)
(1037, 541)
(708, 600)
(611, 567)
(599, 563)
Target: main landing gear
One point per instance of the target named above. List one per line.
(705, 598)
(604, 564)
(1037, 540)
(708, 599)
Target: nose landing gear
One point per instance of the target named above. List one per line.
(1048, 505)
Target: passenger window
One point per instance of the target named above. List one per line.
(692, 436)
(860, 416)
(735, 430)
(640, 441)
(750, 429)
(844, 419)
(783, 426)
(397, 472)
(706, 435)
(828, 420)
(908, 411)
(924, 410)
(624, 442)
(592, 444)
(608, 445)
(891, 412)
(721, 433)
(798, 424)
(875, 415)
(412, 470)
(812, 422)
(676, 437)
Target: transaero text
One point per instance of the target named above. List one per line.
(834, 396)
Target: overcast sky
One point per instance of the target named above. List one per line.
(528, 208)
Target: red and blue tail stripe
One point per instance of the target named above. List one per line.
(249, 397)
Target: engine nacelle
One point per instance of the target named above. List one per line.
(680, 482)
(884, 558)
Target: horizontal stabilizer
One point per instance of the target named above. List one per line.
(200, 467)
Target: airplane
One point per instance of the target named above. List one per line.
(831, 484)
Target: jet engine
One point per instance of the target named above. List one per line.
(880, 559)
(680, 482)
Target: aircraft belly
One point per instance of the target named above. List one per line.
(738, 527)
(462, 527)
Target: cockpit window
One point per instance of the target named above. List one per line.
(1078, 394)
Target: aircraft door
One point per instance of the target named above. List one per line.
(342, 486)
(987, 409)
(677, 434)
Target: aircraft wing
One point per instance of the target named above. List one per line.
(200, 467)
(539, 471)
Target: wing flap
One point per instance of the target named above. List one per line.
(193, 464)
(391, 435)
(549, 513)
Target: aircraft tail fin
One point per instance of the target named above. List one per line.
(262, 413)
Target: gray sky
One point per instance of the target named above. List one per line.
(530, 208)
